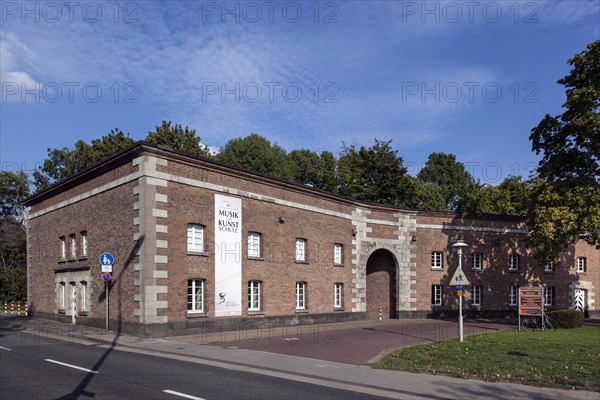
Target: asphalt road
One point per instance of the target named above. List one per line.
(32, 367)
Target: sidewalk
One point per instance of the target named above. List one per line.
(360, 378)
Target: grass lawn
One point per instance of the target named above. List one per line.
(565, 358)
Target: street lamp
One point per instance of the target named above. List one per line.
(457, 280)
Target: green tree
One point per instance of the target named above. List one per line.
(443, 171)
(566, 199)
(327, 178)
(65, 162)
(178, 138)
(303, 165)
(256, 153)
(427, 196)
(375, 174)
(14, 188)
(511, 197)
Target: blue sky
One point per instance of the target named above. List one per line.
(468, 78)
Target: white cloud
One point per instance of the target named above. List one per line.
(16, 58)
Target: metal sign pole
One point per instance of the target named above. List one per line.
(106, 301)
(460, 312)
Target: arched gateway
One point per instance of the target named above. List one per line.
(381, 285)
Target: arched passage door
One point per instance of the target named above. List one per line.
(381, 285)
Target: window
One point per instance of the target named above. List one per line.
(82, 299)
(437, 258)
(549, 296)
(300, 250)
(60, 295)
(63, 247)
(300, 295)
(337, 254)
(84, 244)
(195, 295)
(514, 262)
(581, 267)
(513, 296)
(195, 238)
(253, 295)
(476, 295)
(73, 245)
(436, 295)
(254, 244)
(549, 267)
(338, 289)
(476, 260)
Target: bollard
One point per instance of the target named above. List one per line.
(26, 308)
(12, 307)
(380, 316)
(19, 307)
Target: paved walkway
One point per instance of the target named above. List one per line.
(359, 378)
(357, 343)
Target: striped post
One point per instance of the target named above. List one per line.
(19, 307)
(12, 307)
(26, 308)
(380, 313)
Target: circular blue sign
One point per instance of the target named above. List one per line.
(106, 276)
(107, 259)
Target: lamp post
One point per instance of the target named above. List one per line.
(458, 279)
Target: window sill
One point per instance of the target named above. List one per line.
(338, 309)
(476, 269)
(581, 273)
(62, 260)
(436, 306)
(255, 313)
(71, 259)
(197, 314)
(82, 313)
(549, 272)
(197, 253)
(62, 311)
(83, 258)
(256, 258)
(301, 311)
(301, 262)
(514, 270)
(436, 269)
(338, 265)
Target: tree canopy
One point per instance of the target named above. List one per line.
(566, 200)
(256, 153)
(178, 138)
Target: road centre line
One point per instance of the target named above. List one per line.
(71, 366)
(5, 348)
(187, 396)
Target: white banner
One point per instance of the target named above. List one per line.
(228, 256)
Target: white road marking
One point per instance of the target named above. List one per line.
(187, 396)
(71, 366)
(5, 348)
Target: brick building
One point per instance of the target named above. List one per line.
(198, 245)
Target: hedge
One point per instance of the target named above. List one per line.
(566, 319)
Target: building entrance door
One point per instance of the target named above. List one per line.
(580, 300)
(381, 285)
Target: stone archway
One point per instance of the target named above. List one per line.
(381, 285)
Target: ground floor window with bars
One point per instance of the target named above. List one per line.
(476, 295)
(254, 296)
(549, 296)
(300, 295)
(436, 295)
(513, 296)
(195, 295)
(338, 289)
